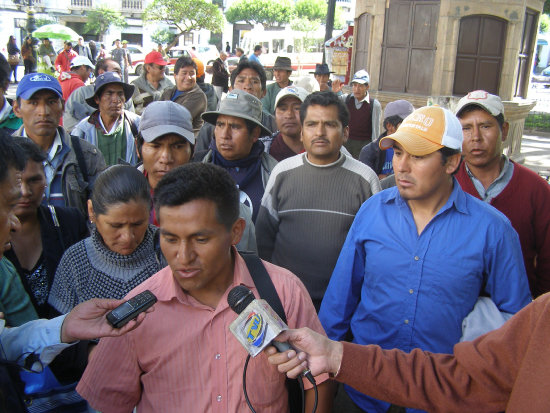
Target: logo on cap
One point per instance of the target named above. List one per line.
(40, 78)
(478, 95)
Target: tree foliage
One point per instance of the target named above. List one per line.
(546, 8)
(162, 36)
(185, 15)
(269, 13)
(313, 10)
(101, 18)
(44, 21)
(544, 23)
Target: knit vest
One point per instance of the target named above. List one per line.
(360, 120)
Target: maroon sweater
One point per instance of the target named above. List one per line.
(360, 120)
(526, 203)
(505, 369)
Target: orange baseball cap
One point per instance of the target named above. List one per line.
(200, 67)
(425, 131)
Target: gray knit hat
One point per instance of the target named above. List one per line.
(240, 104)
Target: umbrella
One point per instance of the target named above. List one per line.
(56, 31)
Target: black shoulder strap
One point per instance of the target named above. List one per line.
(263, 283)
(80, 157)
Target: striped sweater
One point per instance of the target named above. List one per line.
(306, 213)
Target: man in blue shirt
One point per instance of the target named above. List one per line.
(418, 256)
(255, 57)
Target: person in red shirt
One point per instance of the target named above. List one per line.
(516, 191)
(63, 60)
(81, 67)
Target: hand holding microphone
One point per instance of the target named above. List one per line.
(257, 324)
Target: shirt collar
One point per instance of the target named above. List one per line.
(496, 187)
(365, 99)
(56, 146)
(457, 199)
(168, 289)
(113, 129)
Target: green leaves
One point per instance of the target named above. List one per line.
(186, 15)
(265, 12)
(100, 18)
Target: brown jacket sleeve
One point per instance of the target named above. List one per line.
(504, 370)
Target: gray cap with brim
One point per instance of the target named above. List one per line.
(165, 117)
(240, 104)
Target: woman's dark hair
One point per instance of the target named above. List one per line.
(31, 151)
(119, 184)
(11, 155)
(393, 120)
(184, 61)
(325, 99)
(195, 181)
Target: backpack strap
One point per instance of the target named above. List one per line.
(263, 283)
(79, 156)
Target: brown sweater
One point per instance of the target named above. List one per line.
(505, 370)
(193, 100)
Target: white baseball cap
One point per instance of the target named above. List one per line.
(296, 91)
(82, 61)
(485, 100)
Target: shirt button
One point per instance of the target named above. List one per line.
(411, 291)
(219, 398)
(416, 258)
(218, 356)
(406, 321)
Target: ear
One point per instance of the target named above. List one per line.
(264, 91)
(17, 109)
(368, 87)
(505, 129)
(452, 163)
(91, 214)
(345, 134)
(96, 100)
(256, 132)
(237, 231)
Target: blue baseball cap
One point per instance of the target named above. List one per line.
(34, 82)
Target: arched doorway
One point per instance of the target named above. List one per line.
(479, 54)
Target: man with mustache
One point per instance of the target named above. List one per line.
(418, 256)
(111, 128)
(72, 164)
(514, 190)
(312, 198)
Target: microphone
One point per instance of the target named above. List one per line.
(257, 324)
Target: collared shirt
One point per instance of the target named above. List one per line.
(53, 195)
(359, 103)
(402, 290)
(42, 337)
(497, 185)
(183, 357)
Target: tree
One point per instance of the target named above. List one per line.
(101, 18)
(269, 13)
(544, 23)
(162, 36)
(185, 15)
(313, 10)
(45, 21)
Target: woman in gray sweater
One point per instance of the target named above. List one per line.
(122, 251)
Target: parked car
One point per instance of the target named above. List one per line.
(542, 79)
(176, 52)
(207, 53)
(138, 56)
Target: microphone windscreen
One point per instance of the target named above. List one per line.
(239, 298)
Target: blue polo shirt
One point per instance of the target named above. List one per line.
(398, 289)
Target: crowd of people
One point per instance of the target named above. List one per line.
(400, 243)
